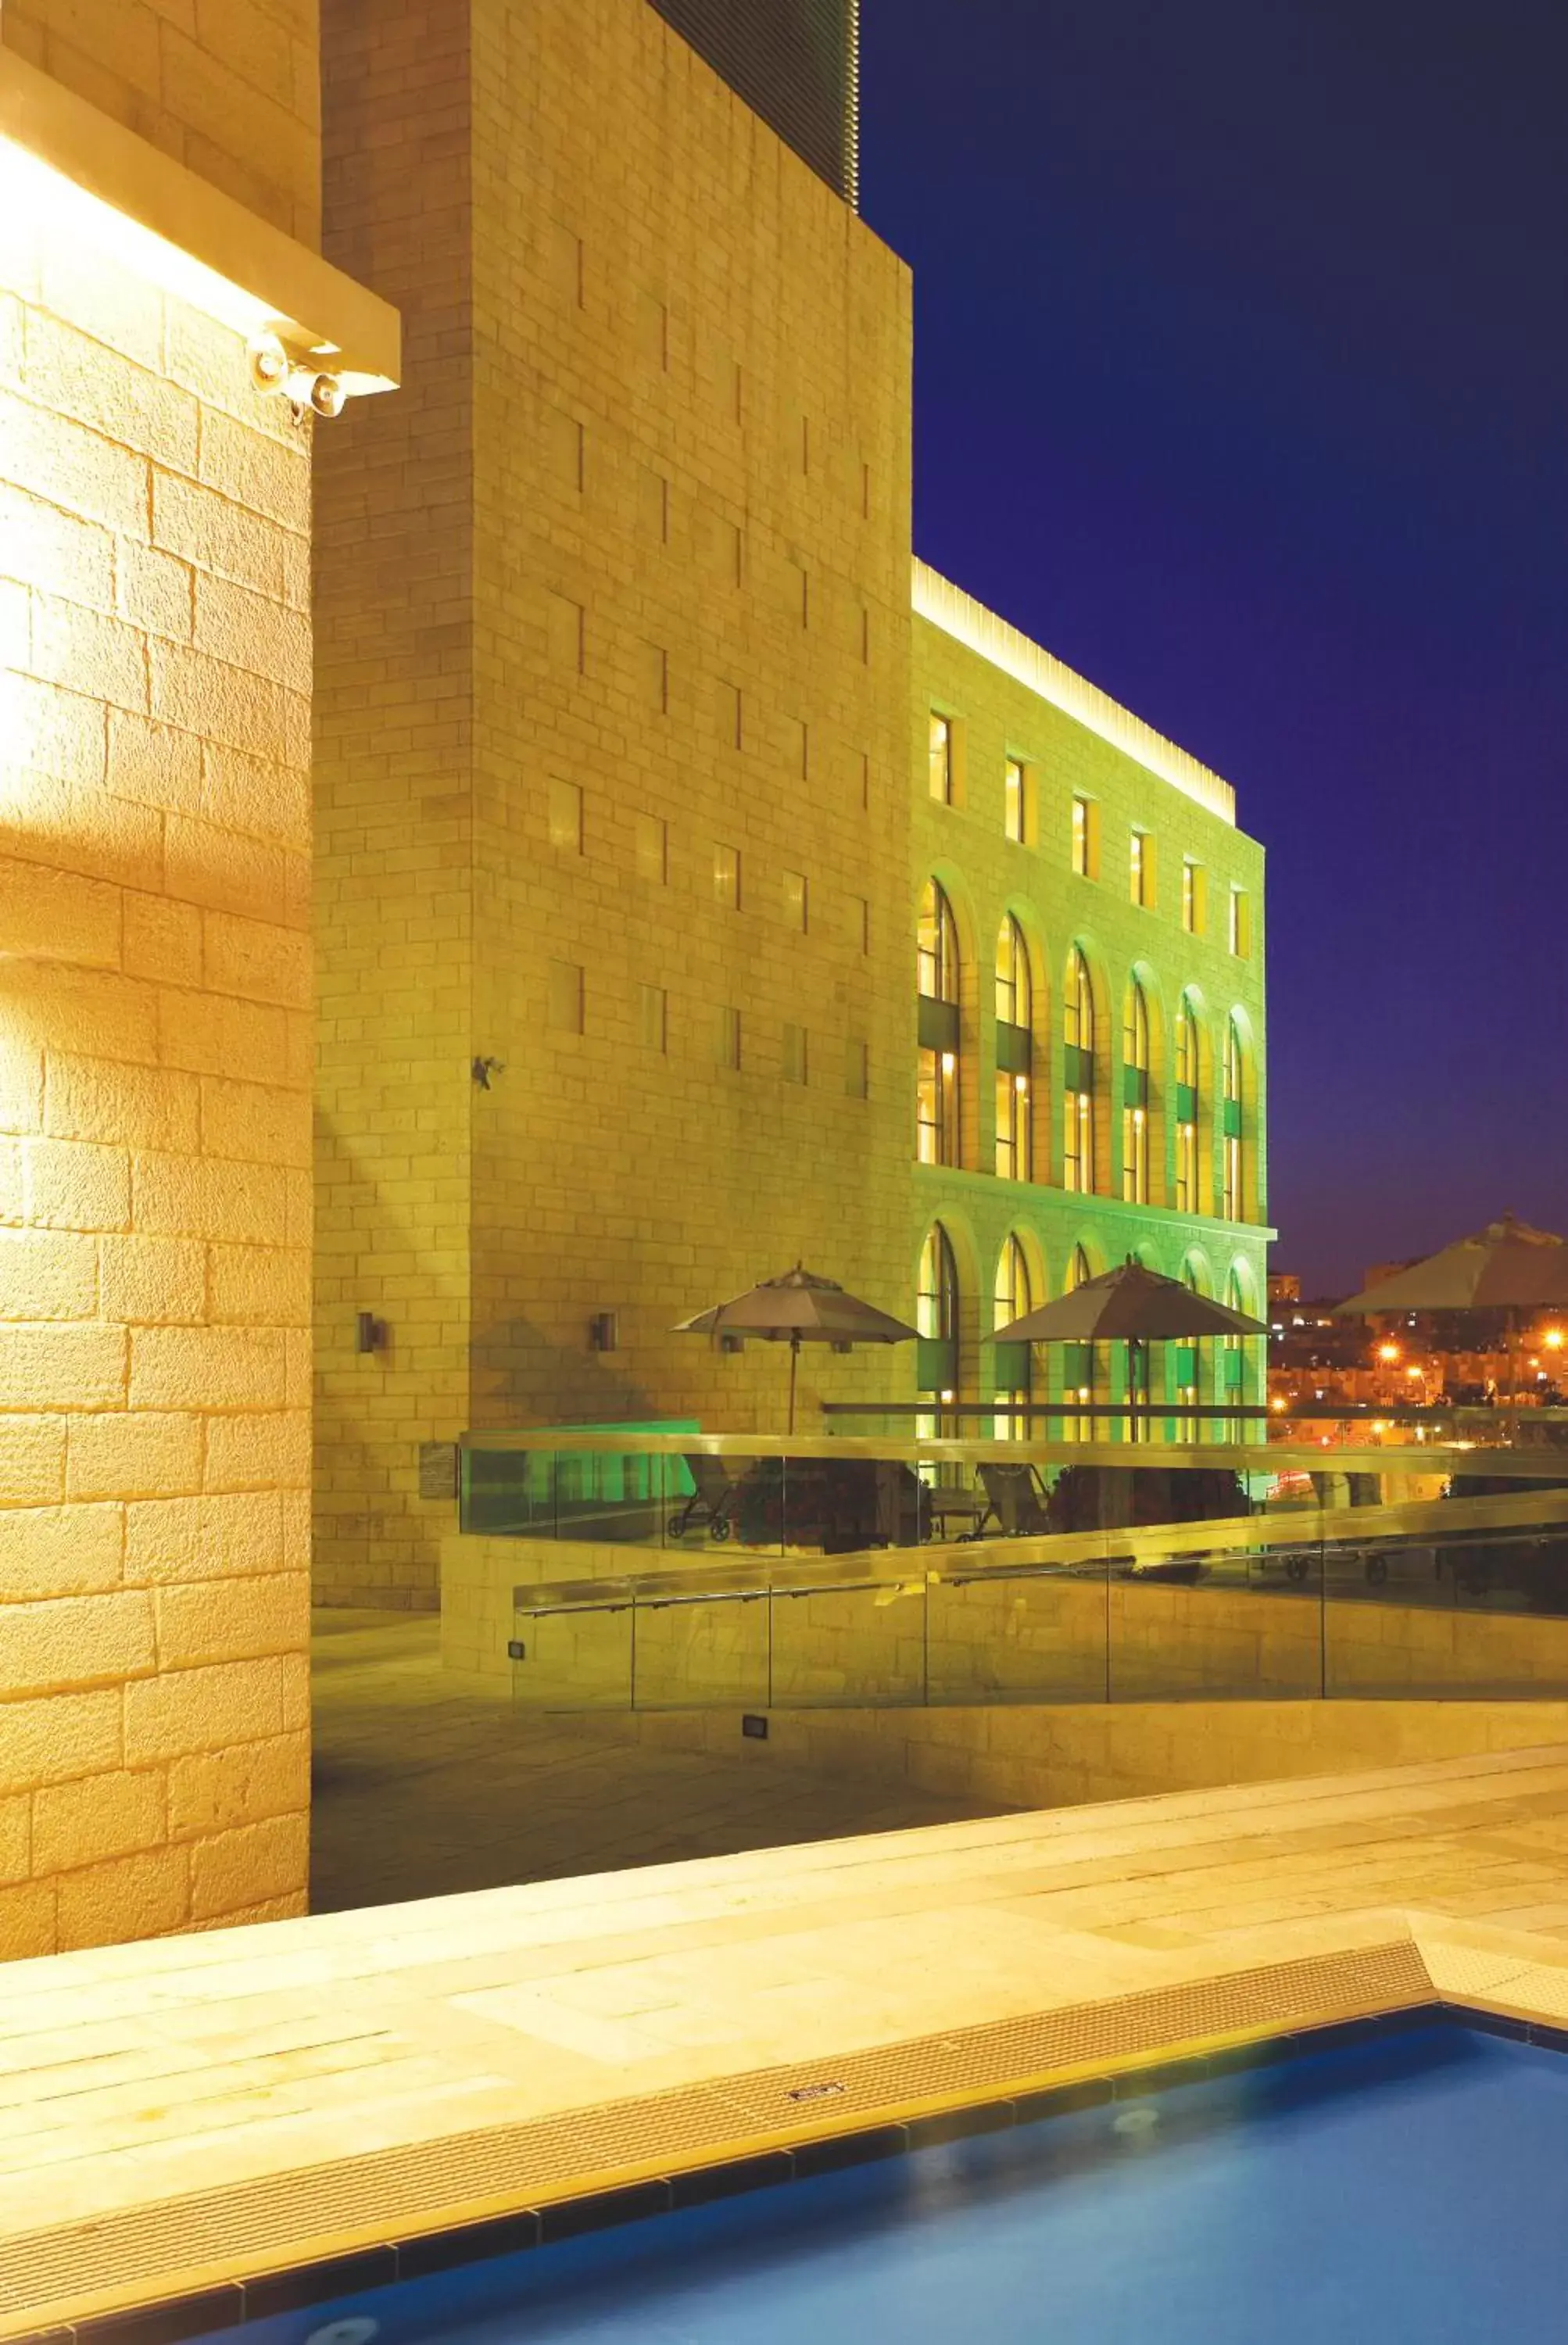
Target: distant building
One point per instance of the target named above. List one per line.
(1284, 1287)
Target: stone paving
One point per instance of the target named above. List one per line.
(422, 1790)
(187, 2107)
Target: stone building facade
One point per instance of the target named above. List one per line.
(622, 709)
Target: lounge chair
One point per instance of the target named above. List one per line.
(1015, 1500)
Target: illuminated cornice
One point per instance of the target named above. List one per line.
(968, 621)
(61, 159)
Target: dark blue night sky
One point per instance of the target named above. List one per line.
(1242, 384)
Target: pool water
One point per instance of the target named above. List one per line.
(1411, 2188)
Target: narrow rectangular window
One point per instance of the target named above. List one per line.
(860, 925)
(940, 759)
(1189, 896)
(794, 1057)
(796, 899)
(857, 1068)
(1240, 938)
(566, 816)
(1080, 837)
(726, 1038)
(1138, 868)
(653, 848)
(727, 877)
(653, 1018)
(1015, 810)
(563, 1009)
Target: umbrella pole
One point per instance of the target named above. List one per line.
(794, 1364)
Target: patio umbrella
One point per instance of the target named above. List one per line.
(1508, 1266)
(799, 1308)
(1130, 1305)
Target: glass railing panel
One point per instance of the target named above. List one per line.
(610, 1498)
(1468, 1613)
(1017, 1636)
(1222, 1612)
(848, 1646)
(570, 1656)
(736, 1503)
(509, 1493)
(707, 1651)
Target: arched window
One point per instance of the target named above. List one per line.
(1233, 1356)
(1183, 1376)
(1014, 1052)
(1011, 1296)
(1233, 1204)
(1136, 1096)
(1186, 1080)
(1078, 1116)
(936, 1323)
(936, 1306)
(1077, 1359)
(937, 1078)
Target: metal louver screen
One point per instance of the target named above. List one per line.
(795, 63)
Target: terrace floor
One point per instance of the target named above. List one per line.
(181, 2114)
(422, 1789)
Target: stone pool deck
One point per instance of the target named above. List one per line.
(179, 2114)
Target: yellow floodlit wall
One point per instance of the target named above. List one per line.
(613, 739)
(155, 1029)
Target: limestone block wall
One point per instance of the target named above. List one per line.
(155, 1045)
(613, 695)
(394, 788)
(1045, 1756)
(692, 414)
(232, 91)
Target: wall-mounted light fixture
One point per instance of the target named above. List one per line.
(370, 1332)
(731, 1343)
(65, 164)
(604, 1332)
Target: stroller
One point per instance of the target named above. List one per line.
(711, 1505)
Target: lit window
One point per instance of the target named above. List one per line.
(727, 877)
(1015, 1148)
(1240, 938)
(1081, 838)
(1014, 1052)
(1015, 799)
(1136, 1097)
(1186, 1080)
(1140, 871)
(1233, 1198)
(941, 758)
(1011, 1298)
(1078, 1105)
(937, 1075)
(794, 1053)
(1078, 1359)
(1232, 1350)
(1191, 891)
(796, 899)
(726, 1038)
(937, 1323)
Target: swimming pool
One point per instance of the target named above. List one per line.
(1404, 2186)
